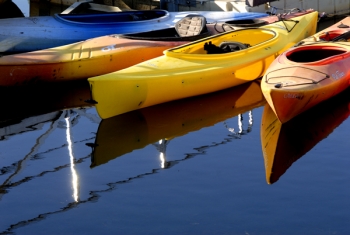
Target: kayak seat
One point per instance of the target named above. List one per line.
(191, 25)
(233, 46)
(224, 47)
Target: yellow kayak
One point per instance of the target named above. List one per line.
(134, 130)
(207, 65)
(283, 144)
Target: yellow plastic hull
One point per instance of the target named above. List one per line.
(187, 70)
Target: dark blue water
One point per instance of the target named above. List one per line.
(194, 166)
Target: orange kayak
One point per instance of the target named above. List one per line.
(314, 70)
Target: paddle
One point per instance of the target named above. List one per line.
(342, 37)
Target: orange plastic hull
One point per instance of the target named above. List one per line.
(307, 75)
(78, 61)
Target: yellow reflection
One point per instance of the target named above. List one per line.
(134, 130)
(72, 168)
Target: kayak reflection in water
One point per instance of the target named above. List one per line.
(9, 9)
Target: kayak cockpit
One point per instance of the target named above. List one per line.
(247, 23)
(239, 39)
(310, 54)
(112, 17)
(335, 35)
(307, 68)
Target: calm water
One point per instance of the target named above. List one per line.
(193, 166)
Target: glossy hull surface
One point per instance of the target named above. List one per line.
(35, 33)
(78, 61)
(188, 70)
(309, 74)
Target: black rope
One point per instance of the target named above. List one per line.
(289, 30)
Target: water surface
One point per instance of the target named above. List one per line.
(193, 166)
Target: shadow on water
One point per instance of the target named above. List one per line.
(28, 108)
(283, 144)
(27, 101)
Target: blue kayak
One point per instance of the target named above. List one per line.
(26, 34)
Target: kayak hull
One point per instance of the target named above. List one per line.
(307, 75)
(78, 61)
(187, 70)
